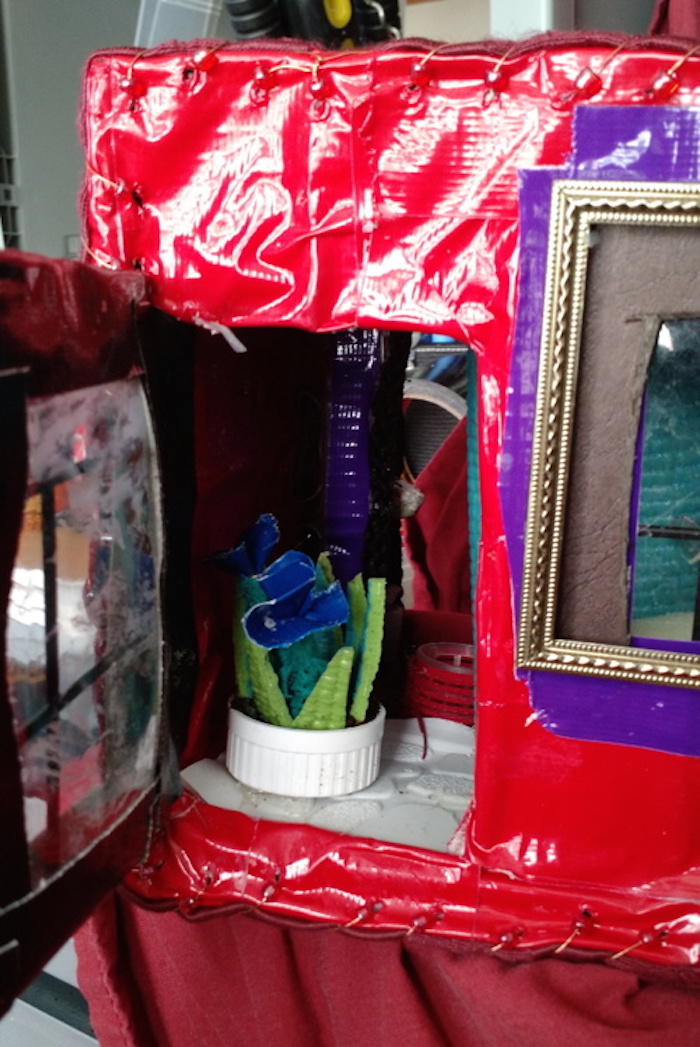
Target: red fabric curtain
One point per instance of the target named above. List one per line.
(157, 980)
(437, 536)
(676, 18)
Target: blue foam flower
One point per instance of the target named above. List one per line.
(249, 557)
(291, 572)
(296, 608)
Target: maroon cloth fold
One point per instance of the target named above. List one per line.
(676, 18)
(437, 537)
(157, 980)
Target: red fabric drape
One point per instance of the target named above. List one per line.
(157, 980)
(676, 18)
(437, 536)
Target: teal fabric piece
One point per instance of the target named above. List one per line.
(300, 666)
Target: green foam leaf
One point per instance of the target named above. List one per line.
(268, 697)
(325, 567)
(324, 578)
(325, 708)
(371, 648)
(357, 599)
(246, 593)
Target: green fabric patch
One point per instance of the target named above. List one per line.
(300, 666)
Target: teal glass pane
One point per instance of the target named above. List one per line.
(667, 553)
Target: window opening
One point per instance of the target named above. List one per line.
(426, 775)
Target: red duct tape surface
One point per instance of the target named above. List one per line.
(282, 187)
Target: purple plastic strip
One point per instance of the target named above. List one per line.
(353, 382)
(658, 144)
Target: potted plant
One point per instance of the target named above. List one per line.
(306, 654)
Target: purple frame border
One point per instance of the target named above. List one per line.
(643, 143)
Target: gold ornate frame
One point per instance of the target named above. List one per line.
(578, 206)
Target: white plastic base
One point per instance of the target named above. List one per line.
(292, 762)
(424, 787)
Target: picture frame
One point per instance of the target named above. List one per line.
(554, 635)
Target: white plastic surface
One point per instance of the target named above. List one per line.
(416, 800)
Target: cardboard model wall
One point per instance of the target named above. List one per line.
(283, 187)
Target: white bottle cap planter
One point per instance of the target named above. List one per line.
(294, 762)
